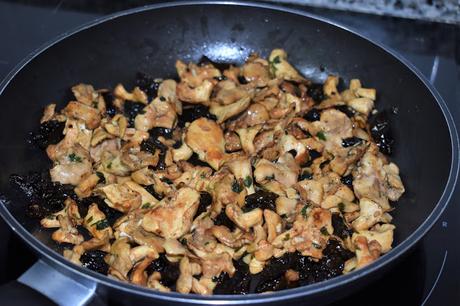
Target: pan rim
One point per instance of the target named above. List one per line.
(321, 287)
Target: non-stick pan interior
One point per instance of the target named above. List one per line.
(151, 41)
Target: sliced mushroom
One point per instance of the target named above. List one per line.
(154, 282)
(242, 170)
(366, 252)
(70, 210)
(121, 197)
(288, 143)
(182, 153)
(223, 112)
(159, 113)
(375, 180)
(85, 93)
(362, 105)
(255, 114)
(216, 263)
(311, 190)
(227, 92)
(247, 138)
(119, 258)
(204, 286)
(330, 87)
(256, 266)
(110, 145)
(139, 274)
(273, 223)
(243, 220)
(48, 113)
(281, 68)
(147, 200)
(196, 177)
(234, 239)
(96, 223)
(383, 234)
(285, 206)
(117, 126)
(173, 217)
(137, 95)
(90, 115)
(205, 138)
(370, 213)
(197, 95)
(194, 75)
(264, 251)
(167, 90)
(76, 133)
(184, 282)
(313, 227)
(85, 187)
(256, 70)
(225, 189)
(266, 171)
(111, 163)
(393, 183)
(71, 166)
(67, 233)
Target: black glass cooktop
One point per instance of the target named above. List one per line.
(429, 275)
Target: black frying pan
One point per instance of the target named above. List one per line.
(150, 39)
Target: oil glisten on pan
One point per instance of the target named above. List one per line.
(226, 180)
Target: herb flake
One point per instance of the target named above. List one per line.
(146, 205)
(75, 158)
(316, 245)
(247, 181)
(101, 224)
(341, 206)
(236, 186)
(304, 211)
(321, 135)
(272, 64)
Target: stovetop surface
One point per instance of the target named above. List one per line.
(427, 276)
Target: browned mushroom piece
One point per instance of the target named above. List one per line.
(377, 180)
(137, 95)
(90, 115)
(256, 70)
(224, 112)
(66, 220)
(281, 68)
(228, 92)
(121, 197)
(173, 216)
(72, 165)
(205, 138)
(311, 231)
(85, 93)
(366, 251)
(159, 113)
(285, 171)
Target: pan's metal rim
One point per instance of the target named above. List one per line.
(322, 287)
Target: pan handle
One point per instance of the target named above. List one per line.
(56, 286)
